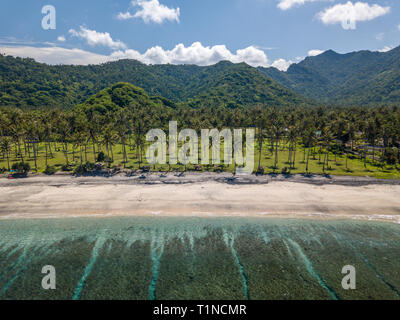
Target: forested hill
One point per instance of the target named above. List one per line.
(26, 83)
(357, 78)
(122, 95)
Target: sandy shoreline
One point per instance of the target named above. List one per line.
(200, 195)
(65, 178)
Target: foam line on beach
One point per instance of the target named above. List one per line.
(311, 269)
(229, 240)
(22, 269)
(9, 255)
(264, 236)
(95, 253)
(369, 264)
(157, 250)
(379, 275)
(24, 246)
(287, 248)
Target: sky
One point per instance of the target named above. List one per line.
(203, 32)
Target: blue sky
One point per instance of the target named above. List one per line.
(259, 32)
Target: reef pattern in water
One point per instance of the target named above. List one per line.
(193, 258)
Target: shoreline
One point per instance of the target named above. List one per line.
(201, 195)
(154, 178)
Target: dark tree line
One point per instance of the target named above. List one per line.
(84, 132)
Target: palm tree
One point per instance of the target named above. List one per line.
(259, 121)
(121, 127)
(33, 133)
(351, 136)
(5, 147)
(108, 138)
(276, 127)
(46, 124)
(309, 140)
(370, 135)
(93, 121)
(64, 131)
(139, 138)
(17, 130)
(292, 139)
(327, 140)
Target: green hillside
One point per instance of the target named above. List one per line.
(26, 83)
(359, 78)
(121, 95)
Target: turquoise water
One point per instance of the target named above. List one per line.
(194, 258)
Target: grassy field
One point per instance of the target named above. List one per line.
(337, 164)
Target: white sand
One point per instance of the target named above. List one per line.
(202, 199)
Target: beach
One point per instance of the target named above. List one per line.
(199, 236)
(201, 195)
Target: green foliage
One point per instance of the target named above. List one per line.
(121, 95)
(285, 170)
(389, 156)
(358, 78)
(101, 157)
(21, 167)
(66, 168)
(84, 168)
(235, 85)
(50, 170)
(26, 83)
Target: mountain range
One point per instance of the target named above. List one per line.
(26, 83)
(357, 78)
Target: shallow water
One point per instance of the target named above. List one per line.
(194, 258)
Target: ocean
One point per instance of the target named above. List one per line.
(156, 258)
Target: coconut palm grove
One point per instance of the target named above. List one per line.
(68, 118)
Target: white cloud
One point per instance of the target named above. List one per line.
(386, 49)
(195, 54)
(348, 14)
(282, 64)
(380, 36)
(152, 11)
(61, 38)
(398, 27)
(18, 42)
(55, 55)
(266, 48)
(315, 52)
(288, 4)
(94, 38)
(125, 16)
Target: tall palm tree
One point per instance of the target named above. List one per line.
(327, 138)
(108, 139)
(5, 147)
(259, 122)
(277, 128)
(309, 140)
(292, 139)
(64, 131)
(121, 127)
